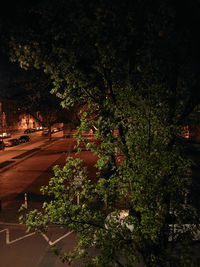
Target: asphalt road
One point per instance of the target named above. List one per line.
(16, 153)
(19, 249)
(27, 176)
(30, 173)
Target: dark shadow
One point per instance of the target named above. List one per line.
(6, 163)
(34, 197)
(27, 153)
(48, 260)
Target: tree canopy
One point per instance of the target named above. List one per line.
(34, 98)
(136, 66)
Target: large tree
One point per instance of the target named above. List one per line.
(136, 65)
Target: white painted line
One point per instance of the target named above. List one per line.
(45, 237)
(57, 240)
(8, 241)
(3, 230)
(20, 238)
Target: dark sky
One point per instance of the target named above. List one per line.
(6, 68)
(7, 71)
(4, 72)
(9, 15)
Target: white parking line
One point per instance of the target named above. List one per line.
(57, 240)
(8, 241)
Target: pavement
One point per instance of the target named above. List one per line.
(12, 156)
(9, 208)
(17, 247)
(15, 155)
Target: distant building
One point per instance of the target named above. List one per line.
(27, 121)
(12, 118)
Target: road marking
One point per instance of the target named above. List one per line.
(57, 240)
(8, 241)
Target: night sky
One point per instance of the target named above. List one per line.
(8, 71)
(5, 73)
(10, 14)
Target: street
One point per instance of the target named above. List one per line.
(19, 249)
(27, 176)
(24, 178)
(17, 152)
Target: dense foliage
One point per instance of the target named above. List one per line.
(132, 66)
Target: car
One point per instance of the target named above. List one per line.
(39, 128)
(55, 130)
(27, 131)
(11, 142)
(24, 138)
(2, 145)
(45, 132)
(31, 130)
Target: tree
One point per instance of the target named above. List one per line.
(31, 92)
(34, 97)
(125, 61)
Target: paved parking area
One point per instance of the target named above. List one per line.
(21, 249)
(18, 248)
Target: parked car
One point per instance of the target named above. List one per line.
(24, 138)
(27, 131)
(11, 142)
(55, 130)
(45, 132)
(31, 130)
(2, 145)
(39, 128)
